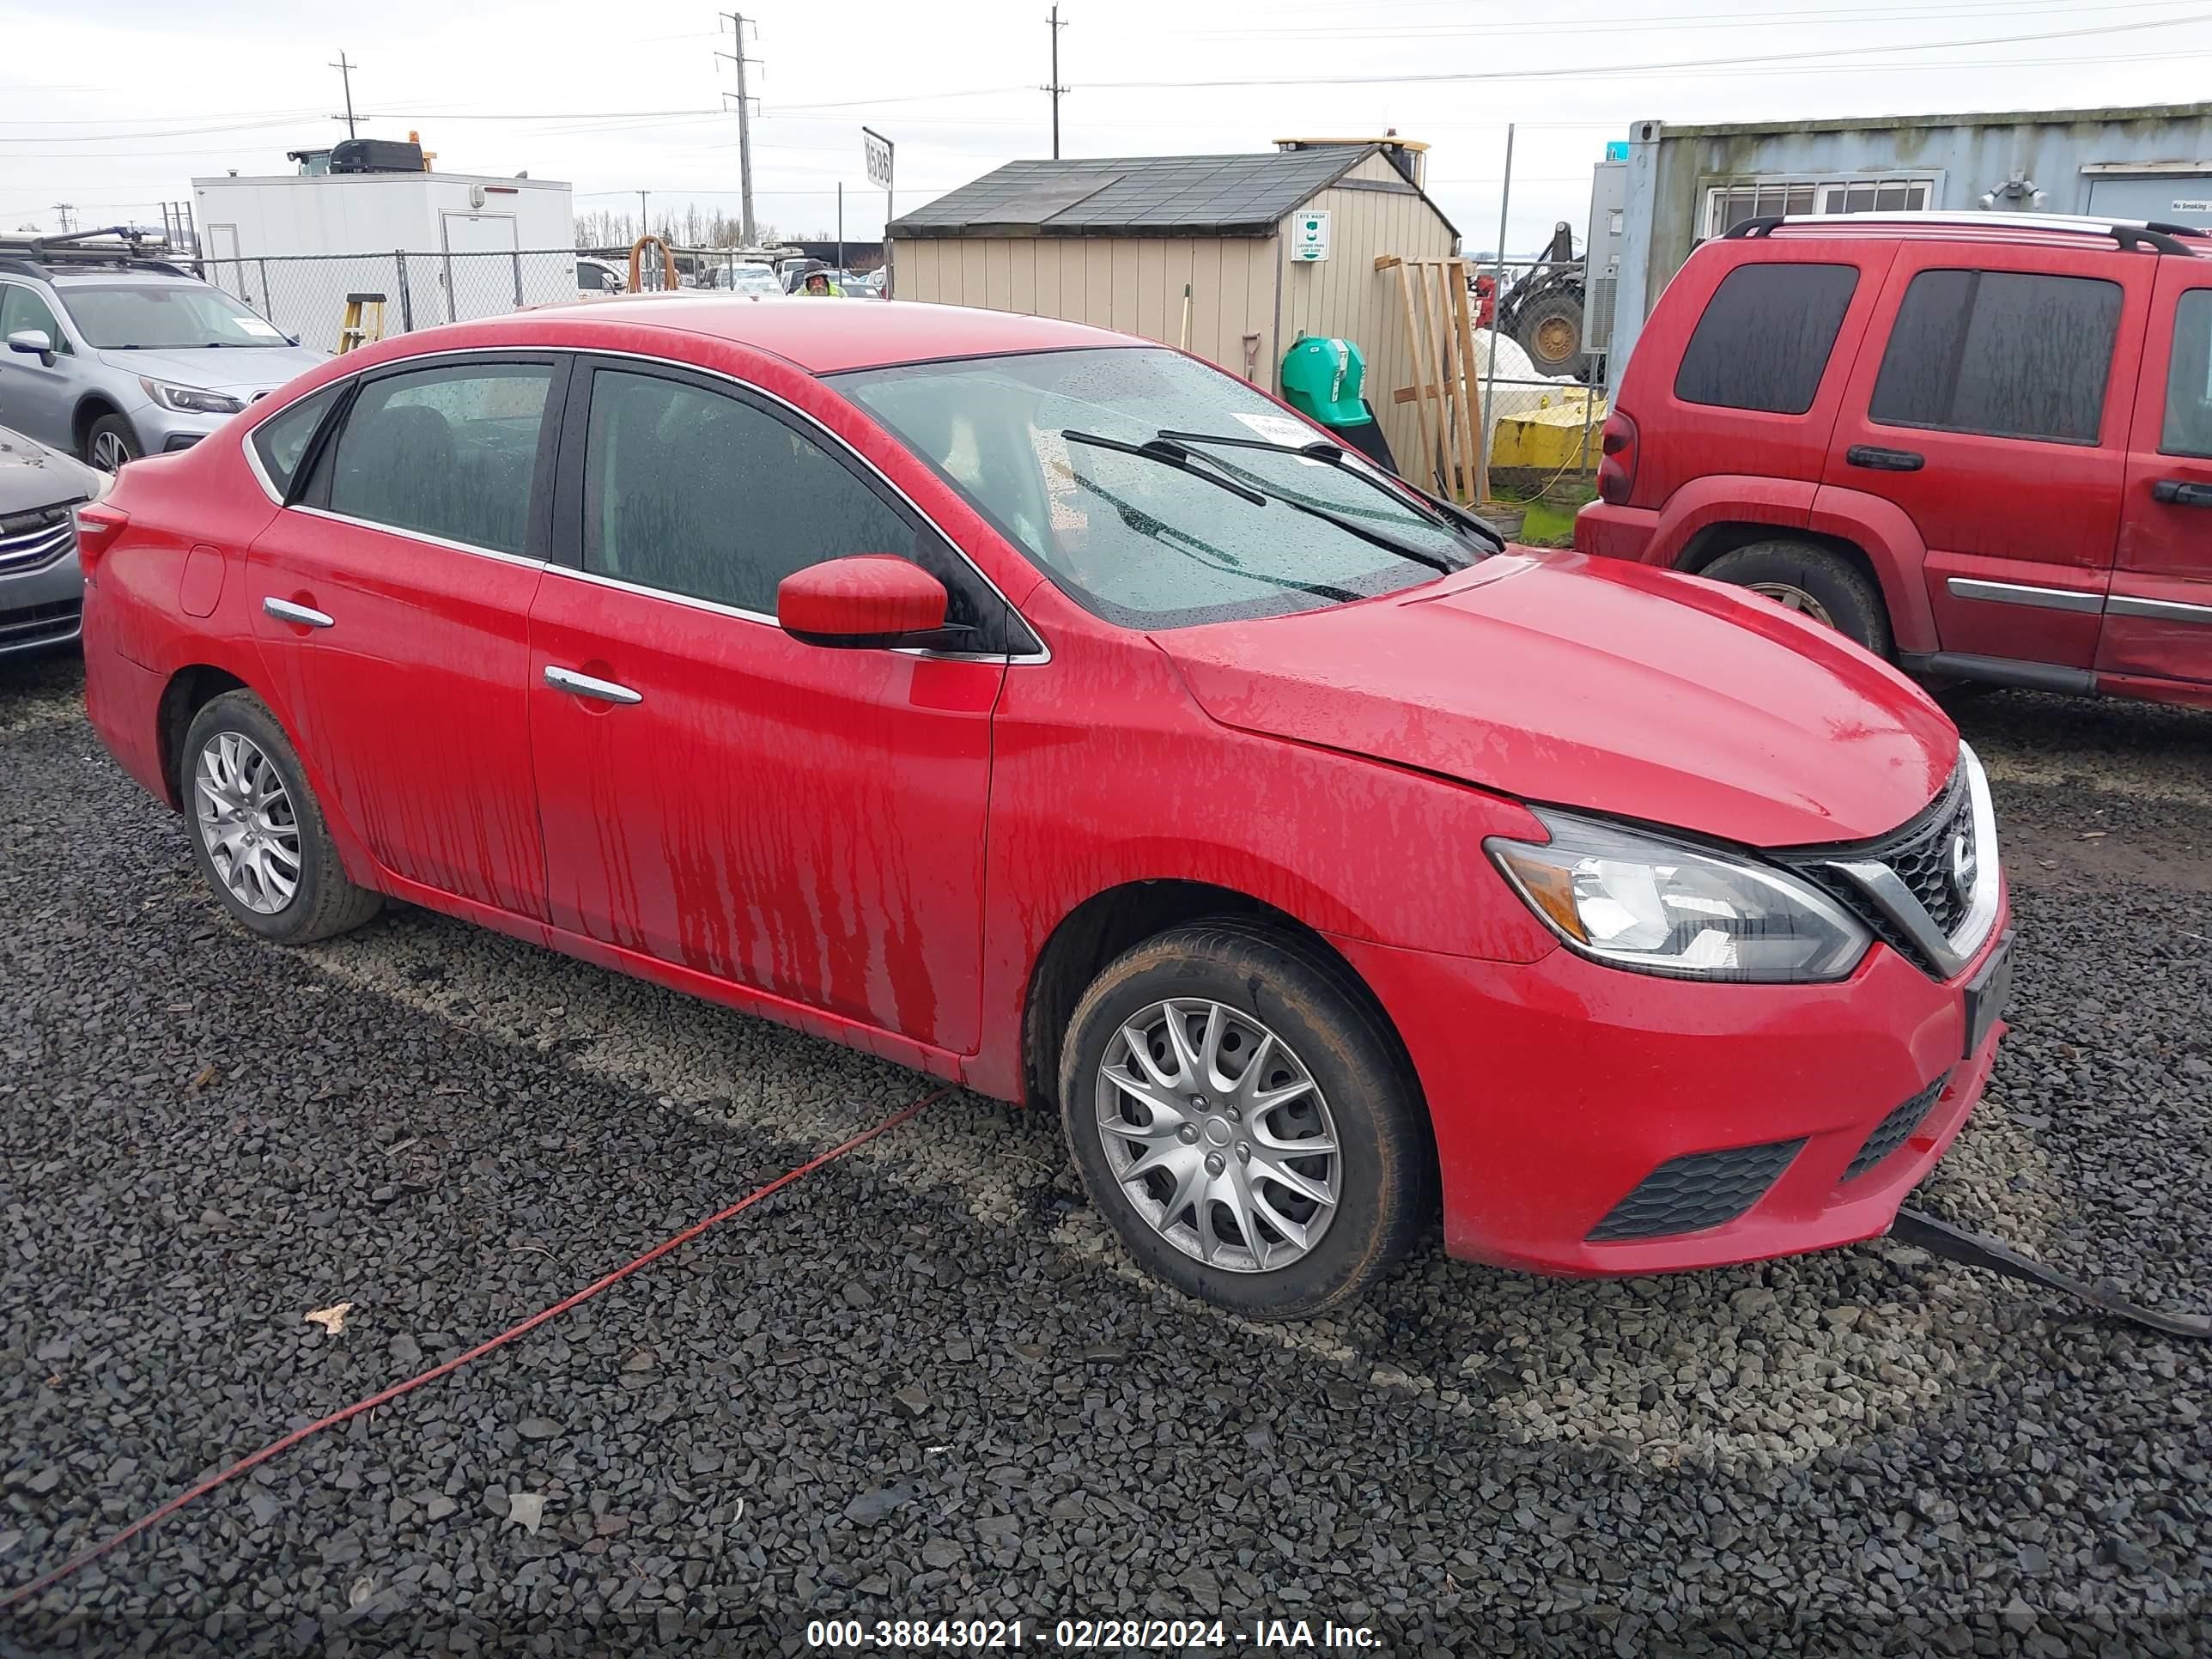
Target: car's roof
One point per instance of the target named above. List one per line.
(113, 276)
(826, 335)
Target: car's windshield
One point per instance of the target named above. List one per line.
(1143, 539)
(118, 315)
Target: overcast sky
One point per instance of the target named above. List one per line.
(117, 108)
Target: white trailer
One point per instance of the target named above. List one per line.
(440, 246)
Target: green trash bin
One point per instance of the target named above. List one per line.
(1323, 380)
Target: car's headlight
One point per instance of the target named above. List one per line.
(188, 399)
(1641, 901)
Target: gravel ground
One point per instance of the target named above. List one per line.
(922, 1384)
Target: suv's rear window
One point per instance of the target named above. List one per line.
(2008, 354)
(1765, 339)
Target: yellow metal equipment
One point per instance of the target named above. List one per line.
(364, 322)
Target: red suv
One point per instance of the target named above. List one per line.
(1056, 714)
(1980, 445)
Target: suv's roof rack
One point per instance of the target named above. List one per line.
(2127, 233)
(128, 250)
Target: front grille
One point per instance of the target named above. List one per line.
(30, 541)
(1920, 854)
(1893, 1131)
(1688, 1195)
(40, 624)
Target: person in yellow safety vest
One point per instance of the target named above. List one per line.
(818, 283)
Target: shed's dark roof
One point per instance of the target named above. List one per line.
(1137, 196)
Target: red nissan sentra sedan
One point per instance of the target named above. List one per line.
(1052, 712)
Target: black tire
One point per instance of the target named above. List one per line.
(1851, 602)
(325, 901)
(1386, 1185)
(118, 430)
(1538, 323)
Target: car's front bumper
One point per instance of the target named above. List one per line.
(1559, 1088)
(41, 608)
(163, 431)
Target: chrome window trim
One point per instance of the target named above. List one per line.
(1023, 658)
(1895, 900)
(2041, 598)
(423, 536)
(2125, 604)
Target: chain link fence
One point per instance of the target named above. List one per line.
(306, 294)
(1541, 352)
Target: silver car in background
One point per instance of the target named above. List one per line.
(109, 356)
(42, 594)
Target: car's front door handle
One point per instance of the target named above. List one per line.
(583, 685)
(1885, 461)
(2180, 492)
(307, 616)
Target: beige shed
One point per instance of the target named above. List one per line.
(1114, 242)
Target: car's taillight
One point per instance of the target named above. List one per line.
(97, 527)
(1616, 473)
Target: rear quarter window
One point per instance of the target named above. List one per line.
(1766, 338)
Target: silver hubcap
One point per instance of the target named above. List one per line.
(109, 452)
(246, 823)
(1790, 597)
(1217, 1135)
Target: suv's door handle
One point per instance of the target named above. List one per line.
(583, 685)
(1885, 461)
(2180, 492)
(285, 611)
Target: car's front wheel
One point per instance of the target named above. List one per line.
(1245, 1121)
(257, 834)
(110, 442)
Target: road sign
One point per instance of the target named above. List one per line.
(879, 149)
(1309, 234)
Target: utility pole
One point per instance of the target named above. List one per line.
(1053, 23)
(64, 209)
(643, 228)
(345, 74)
(737, 22)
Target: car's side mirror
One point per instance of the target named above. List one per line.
(867, 599)
(35, 340)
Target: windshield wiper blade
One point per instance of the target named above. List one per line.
(1168, 454)
(1335, 455)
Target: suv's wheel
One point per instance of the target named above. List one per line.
(258, 834)
(1824, 587)
(1245, 1121)
(110, 443)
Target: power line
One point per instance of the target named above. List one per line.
(1678, 22)
(1734, 60)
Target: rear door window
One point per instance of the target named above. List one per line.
(1766, 338)
(2189, 383)
(449, 452)
(2007, 354)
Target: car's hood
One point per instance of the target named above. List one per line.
(1595, 683)
(241, 371)
(32, 476)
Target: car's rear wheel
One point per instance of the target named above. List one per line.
(258, 834)
(1245, 1121)
(1821, 585)
(110, 443)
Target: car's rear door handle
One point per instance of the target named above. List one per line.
(285, 611)
(583, 685)
(1885, 461)
(2180, 492)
